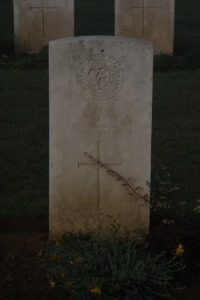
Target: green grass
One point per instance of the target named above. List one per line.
(175, 140)
(24, 143)
(187, 26)
(6, 26)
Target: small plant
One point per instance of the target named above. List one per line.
(164, 194)
(132, 191)
(113, 268)
(179, 250)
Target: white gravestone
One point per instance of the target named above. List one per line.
(151, 20)
(100, 133)
(36, 22)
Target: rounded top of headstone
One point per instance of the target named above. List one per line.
(93, 38)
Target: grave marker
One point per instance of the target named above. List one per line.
(100, 133)
(151, 20)
(36, 22)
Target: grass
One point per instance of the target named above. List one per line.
(6, 26)
(24, 143)
(24, 118)
(175, 140)
(187, 26)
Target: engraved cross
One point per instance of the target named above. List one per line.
(43, 7)
(98, 159)
(144, 8)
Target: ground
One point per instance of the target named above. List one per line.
(22, 276)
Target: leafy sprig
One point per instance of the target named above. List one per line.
(118, 177)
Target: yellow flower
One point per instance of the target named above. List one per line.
(179, 250)
(79, 259)
(57, 241)
(70, 283)
(95, 290)
(55, 257)
(62, 274)
(52, 283)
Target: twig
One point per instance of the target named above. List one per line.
(117, 176)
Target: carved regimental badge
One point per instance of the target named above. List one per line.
(100, 77)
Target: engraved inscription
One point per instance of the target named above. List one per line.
(98, 171)
(122, 124)
(43, 8)
(144, 8)
(100, 77)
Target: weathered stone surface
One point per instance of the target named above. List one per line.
(100, 120)
(151, 20)
(36, 22)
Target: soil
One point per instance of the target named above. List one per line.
(22, 275)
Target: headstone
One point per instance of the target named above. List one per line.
(36, 22)
(100, 133)
(151, 20)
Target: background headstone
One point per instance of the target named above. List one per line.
(151, 20)
(36, 22)
(100, 113)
